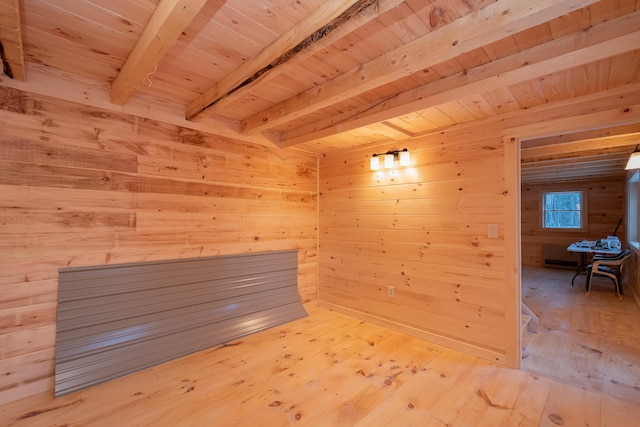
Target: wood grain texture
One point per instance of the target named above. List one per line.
(328, 369)
(167, 23)
(586, 343)
(83, 186)
(390, 228)
(463, 35)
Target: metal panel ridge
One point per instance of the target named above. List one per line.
(118, 319)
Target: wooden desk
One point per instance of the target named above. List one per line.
(583, 251)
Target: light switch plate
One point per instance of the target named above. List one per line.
(493, 231)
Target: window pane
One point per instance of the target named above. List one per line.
(562, 209)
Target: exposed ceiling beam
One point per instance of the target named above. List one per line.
(168, 21)
(583, 152)
(608, 144)
(305, 33)
(12, 51)
(487, 25)
(574, 169)
(632, 130)
(603, 41)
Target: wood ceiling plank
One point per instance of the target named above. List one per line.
(168, 21)
(593, 158)
(285, 44)
(594, 163)
(601, 119)
(502, 100)
(69, 56)
(606, 164)
(592, 135)
(532, 37)
(602, 157)
(607, 39)
(594, 112)
(358, 49)
(436, 116)
(558, 86)
(625, 69)
(592, 77)
(606, 10)
(411, 123)
(567, 24)
(478, 106)
(505, 47)
(463, 35)
(528, 93)
(77, 16)
(11, 39)
(457, 111)
(588, 174)
(582, 149)
(61, 28)
(465, 6)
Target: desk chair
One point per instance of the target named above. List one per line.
(609, 266)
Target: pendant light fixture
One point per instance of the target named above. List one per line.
(634, 160)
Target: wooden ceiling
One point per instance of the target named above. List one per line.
(327, 75)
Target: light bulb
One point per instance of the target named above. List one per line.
(388, 160)
(374, 163)
(634, 161)
(405, 158)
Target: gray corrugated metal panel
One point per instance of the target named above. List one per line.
(133, 316)
(228, 286)
(139, 276)
(120, 332)
(138, 356)
(228, 262)
(138, 303)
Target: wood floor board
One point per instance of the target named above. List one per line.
(581, 364)
(543, 352)
(571, 406)
(416, 401)
(623, 376)
(598, 351)
(321, 384)
(522, 396)
(582, 368)
(619, 412)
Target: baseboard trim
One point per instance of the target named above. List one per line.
(489, 355)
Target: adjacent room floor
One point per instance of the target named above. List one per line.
(332, 370)
(592, 342)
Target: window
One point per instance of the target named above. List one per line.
(562, 209)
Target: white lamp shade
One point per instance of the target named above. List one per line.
(405, 158)
(388, 160)
(634, 161)
(374, 163)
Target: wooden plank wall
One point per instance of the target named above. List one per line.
(605, 206)
(424, 231)
(81, 186)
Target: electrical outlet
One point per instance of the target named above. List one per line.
(391, 291)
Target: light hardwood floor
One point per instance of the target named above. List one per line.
(592, 342)
(329, 370)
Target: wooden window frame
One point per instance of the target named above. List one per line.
(583, 211)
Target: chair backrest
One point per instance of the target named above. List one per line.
(614, 260)
(622, 255)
